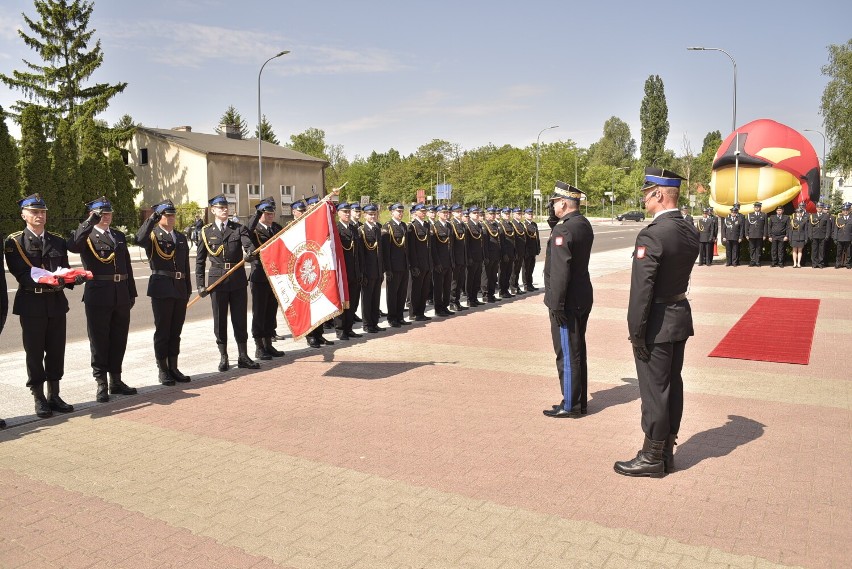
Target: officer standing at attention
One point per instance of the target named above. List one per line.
(684, 210)
(757, 232)
(369, 241)
(841, 232)
(394, 249)
(474, 253)
(41, 307)
(820, 232)
(733, 232)
(223, 241)
(419, 263)
(568, 295)
(533, 249)
(779, 227)
(459, 241)
(706, 237)
(507, 253)
(351, 257)
(264, 307)
(491, 254)
(659, 321)
(4, 310)
(169, 286)
(441, 250)
(355, 214)
(108, 297)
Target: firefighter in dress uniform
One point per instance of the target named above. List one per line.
(264, 306)
(459, 240)
(394, 249)
(474, 251)
(369, 241)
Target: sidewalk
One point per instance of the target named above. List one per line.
(426, 447)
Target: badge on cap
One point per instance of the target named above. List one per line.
(640, 252)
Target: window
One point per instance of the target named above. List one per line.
(231, 192)
(254, 191)
(143, 155)
(287, 193)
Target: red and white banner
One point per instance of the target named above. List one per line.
(305, 267)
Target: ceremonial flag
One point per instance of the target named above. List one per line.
(305, 267)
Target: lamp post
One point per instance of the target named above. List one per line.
(259, 133)
(733, 120)
(612, 191)
(822, 170)
(538, 154)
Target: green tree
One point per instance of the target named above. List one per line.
(232, 118)
(266, 134)
(121, 132)
(836, 107)
(616, 147)
(123, 193)
(66, 178)
(34, 158)
(654, 116)
(61, 38)
(10, 191)
(95, 174)
(310, 142)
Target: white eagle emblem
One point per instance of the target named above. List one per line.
(307, 273)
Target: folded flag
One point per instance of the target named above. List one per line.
(68, 276)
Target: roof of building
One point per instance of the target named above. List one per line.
(221, 144)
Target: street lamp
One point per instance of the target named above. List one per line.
(612, 191)
(259, 133)
(537, 155)
(822, 171)
(733, 120)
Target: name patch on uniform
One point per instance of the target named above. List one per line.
(640, 252)
(559, 240)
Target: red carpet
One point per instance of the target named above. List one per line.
(773, 330)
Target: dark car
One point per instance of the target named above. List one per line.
(631, 216)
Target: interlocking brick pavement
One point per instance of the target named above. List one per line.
(426, 447)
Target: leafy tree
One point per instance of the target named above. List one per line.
(94, 170)
(654, 116)
(310, 142)
(266, 133)
(836, 107)
(616, 147)
(233, 118)
(712, 141)
(60, 36)
(337, 167)
(10, 191)
(121, 132)
(34, 160)
(66, 178)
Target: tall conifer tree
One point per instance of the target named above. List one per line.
(654, 116)
(34, 160)
(10, 190)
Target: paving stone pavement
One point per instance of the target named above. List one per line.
(425, 447)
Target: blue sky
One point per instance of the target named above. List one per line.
(389, 74)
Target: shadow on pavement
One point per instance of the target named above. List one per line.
(618, 395)
(718, 441)
(372, 370)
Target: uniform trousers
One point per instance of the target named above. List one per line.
(529, 267)
(44, 344)
(346, 320)
(705, 253)
(420, 292)
(569, 344)
(844, 250)
(817, 252)
(779, 247)
(169, 315)
(474, 281)
(263, 310)
(755, 245)
(237, 301)
(661, 389)
(517, 265)
(458, 284)
(371, 294)
(442, 283)
(732, 253)
(107, 327)
(396, 289)
(505, 274)
(489, 278)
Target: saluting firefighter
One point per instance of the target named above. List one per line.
(516, 280)
(841, 232)
(532, 250)
(441, 249)
(733, 231)
(419, 263)
(369, 241)
(169, 286)
(352, 258)
(474, 252)
(394, 249)
(223, 242)
(779, 227)
(569, 296)
(108, 297)
(264, 307)
(41, 307)
(507, 253)
(659, 321)
(459, 241)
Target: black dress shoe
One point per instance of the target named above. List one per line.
(277, 337)
(312, 342)
(352, 334)
(405, 322)
(560, 413)
(356, 318)
(394, 324)
(344, 337)
(422, 318)
(325, 342)
(371, 330)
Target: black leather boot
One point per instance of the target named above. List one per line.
(56, 403)
(668, 453)
(163, 376)
(118, 387)
(260, 350)
(270, 349)
(42, 407)
(648, 461)
(175, 372)
(102, 394)
(244, 361)
(223, 360)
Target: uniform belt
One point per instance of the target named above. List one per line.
(171, 274)
(114, 278)
(669, 299)
(226, 266)
(40, 289)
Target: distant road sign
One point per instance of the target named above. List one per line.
(365, 200)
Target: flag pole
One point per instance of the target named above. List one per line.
(333, 192)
